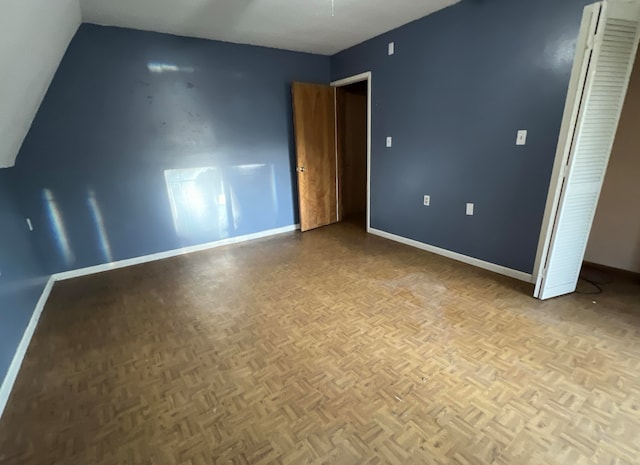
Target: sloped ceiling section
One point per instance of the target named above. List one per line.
(34, 35)
(317, 26)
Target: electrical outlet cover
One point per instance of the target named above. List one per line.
(521, 139)
(470, 209)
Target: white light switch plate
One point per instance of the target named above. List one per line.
(389, 141)
(470, 209)
(522, 137)
(392, 48)
(427, 200)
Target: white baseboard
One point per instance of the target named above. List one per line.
(16, 363)
(526, 277)
(21, 351)
(171, 253)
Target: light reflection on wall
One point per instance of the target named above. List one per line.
(168, 68)
(57, 226)
(96, 214)
(198, 203)
(559, 54)
(211, 203)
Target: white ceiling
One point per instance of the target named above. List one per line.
(302, 25)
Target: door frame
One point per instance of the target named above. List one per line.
(345, 82)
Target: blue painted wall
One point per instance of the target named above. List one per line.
(461, 83)
(22, 276)
(148, 142)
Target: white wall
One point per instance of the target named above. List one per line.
(615, 235)
(34, 35)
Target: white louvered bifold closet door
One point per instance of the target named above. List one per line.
(614, 48)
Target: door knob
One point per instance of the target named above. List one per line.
(301, 169)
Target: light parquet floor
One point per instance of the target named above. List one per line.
(329, 347)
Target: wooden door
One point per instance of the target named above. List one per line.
(315, 132)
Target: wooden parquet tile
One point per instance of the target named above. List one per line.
(331, 347)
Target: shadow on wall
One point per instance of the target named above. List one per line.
(293, 156)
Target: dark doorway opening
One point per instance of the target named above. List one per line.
(351, 121)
